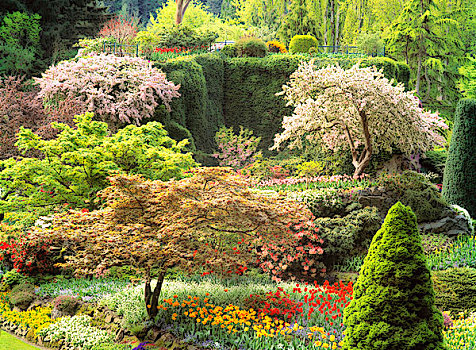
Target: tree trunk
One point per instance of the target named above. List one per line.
(332, 25)
(152, 297)
(181, 8)
(364, 159)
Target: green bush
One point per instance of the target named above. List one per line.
(434, 162)
(66, 304)
(251, 47)
(76, 164)
(229, 50)
(325, 203)
(185, 36)
(455, 289)
(347, 236)
(393, 305)
(370, 43)
(403, 73)
(22, 299)
(417, 192)
(23, 287)
(13, 277)
(302, 43)
(459, 181)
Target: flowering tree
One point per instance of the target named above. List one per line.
(236, 150)
(124, 89)
(356, 108)
(211, 222)
(121, 28)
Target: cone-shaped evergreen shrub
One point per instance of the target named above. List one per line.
(459, 180)
(393, 305)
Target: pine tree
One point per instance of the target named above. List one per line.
(393, 304)
(459, 180)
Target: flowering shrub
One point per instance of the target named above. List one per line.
(275, 46)
(77, 332)
(117, 89)
(236, 150)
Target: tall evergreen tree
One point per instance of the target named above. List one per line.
(298, 21)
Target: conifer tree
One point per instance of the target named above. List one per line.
(393, 306)
(459, 180)
(298, 21)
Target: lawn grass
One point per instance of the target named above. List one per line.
(8, 341)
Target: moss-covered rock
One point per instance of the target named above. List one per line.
(394, 304)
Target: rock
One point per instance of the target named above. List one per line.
(153, 334)
(108, 318)
(119, 336)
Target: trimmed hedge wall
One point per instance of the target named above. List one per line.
(236, 92)
(459, 180)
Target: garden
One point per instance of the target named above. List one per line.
(304, 185)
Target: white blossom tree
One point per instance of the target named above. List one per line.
(356, 108)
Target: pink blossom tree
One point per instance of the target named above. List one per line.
(117, 89)
(358, 109)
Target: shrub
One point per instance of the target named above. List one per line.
(76, 164)
(274, 46)
(393, 302)
(310, 169)
(251, 47)
(229, 50)
(66, 304)
(347, 236)
(302, 43)
(77, 332)
(235, 150)
(117, 89)
(22, 299)
(417, 192)
(23, 287)
(459, 181)
(185, 36)
(370, 43)
(13, 277)
(323, 202)
(455, 289)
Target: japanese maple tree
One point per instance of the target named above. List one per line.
(211, 222)
(357, 108)
(121, 28)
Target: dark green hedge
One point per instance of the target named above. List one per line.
(197, 114)
(237, 92)
(459, 180)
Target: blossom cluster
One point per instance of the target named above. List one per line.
(124, 89)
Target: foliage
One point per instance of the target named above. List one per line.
(251, 47)
(67, 304)
(22, 299)
(370, 43)
(461, 253)
(95, 45)
(462, 333)
(310, 169)
(35, 319)
(302, 43)
(121, 28)
(387, 311)
(198, 113)
(298, 21)
(87, 289)
(417, 192)
(210, 221)
(197, 18)
(347, 236)
(19, 43)
(460, 171)
(434, 162)
(455, 289)
(236, 150)
(333, 107)
(20, 106)
(187, 37)
(76, 164)
(13, 277)
(467, 84)
(341, 182)
(326, 202)
(274, 46)
(118, 89)
(76, 332)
